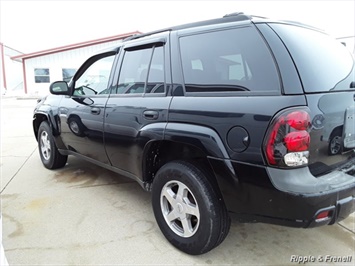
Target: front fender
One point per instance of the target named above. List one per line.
(51, 115)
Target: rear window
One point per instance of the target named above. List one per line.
(323, 63)
(230, 60)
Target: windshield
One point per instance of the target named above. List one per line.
(324, 64)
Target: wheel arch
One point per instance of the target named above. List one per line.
(338, 129)
(191, 143)
(158, 153)
(39, 117)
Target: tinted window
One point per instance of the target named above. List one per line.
(95, 79)
(134, 71)
(156, 72)
(228, 60)
(323, 62)
(142, 71)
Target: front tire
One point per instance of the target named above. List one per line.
(189, 212)
(48, 151)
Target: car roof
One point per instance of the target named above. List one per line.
(233, 17)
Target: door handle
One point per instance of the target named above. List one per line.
(151, 115)
(95, 111)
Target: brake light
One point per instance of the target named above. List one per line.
(287, 141)
(299, 120)
(297, 141)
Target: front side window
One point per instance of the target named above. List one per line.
(232, 60)
(41, 75)
(142, 71)
(95, 79)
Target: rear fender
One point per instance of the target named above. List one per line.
(208, 141)
(201, 137)
(204, 138)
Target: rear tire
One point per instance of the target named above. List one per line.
(48, 151)
(189, 212)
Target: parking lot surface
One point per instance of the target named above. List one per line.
(85, 215)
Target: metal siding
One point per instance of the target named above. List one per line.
(55, 62)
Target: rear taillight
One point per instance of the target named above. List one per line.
(287, 140)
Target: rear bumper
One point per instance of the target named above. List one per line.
(332, 195)
(341, 210)
(286, 197)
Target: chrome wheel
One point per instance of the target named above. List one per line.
(45, 145)
(180, 209)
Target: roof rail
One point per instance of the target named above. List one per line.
(238, 16)
(137, 36)
(241, 15)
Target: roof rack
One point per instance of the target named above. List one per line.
(137, 36)
(241, 15)
(237, 16)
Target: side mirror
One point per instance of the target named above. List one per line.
(59, 88)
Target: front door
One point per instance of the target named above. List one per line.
(82, 114)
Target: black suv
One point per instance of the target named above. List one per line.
(239, 115)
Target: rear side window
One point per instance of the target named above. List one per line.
(142, 71)
(323, 63)
(232, 60)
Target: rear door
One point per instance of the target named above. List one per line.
(326, 69)
(137, 109)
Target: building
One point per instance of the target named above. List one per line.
(41, 68)
(11, 78)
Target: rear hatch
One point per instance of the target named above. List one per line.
(326, 69)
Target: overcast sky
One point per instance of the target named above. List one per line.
(31, 26)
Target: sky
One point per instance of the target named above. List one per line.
(32, 26)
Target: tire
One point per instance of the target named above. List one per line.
(48, 151)
(335, 142)
(189, 212)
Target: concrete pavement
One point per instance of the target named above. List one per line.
(83, 214)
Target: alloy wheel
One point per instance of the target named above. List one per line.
(180, 209)
(45, 145)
